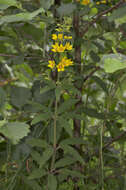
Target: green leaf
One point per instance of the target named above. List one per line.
(34, 142)
(20, 96)
(2, 122)
(32, 184)
(37, 173)
(46, 156)
(114, 62)
(71, 151)
(4, 4)
(71, 173)
(41, 117)
(72, 141)
(52, 182)
(15, 131)
(117, 13)
(20, 17)
(66, 125)
(93, 113)
(46, 4)
(93, 11)
(66, 9)
(65, 162)
(101, 83)
(36, 156)
(65, 106)
(2, 98)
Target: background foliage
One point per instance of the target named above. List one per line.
(65, 133)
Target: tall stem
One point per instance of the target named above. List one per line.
(54, 128)
(101, 158)
(55, 120)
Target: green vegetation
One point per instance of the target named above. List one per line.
(62, 95)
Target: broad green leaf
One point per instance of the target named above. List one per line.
(37, 173)
(15, 131)
(46, 89)
(65, 106)
(4, 4)
(46, 4)
(120, 21)
(52, 182)
(93, 11)
(71, 151)
(66, 161)
(72, 141)
(66, 9)
(34, 142)
(20, 96)
(114, 62)
(101, 83)
(46, 156)
(66, 125)
(117, 13)
(121, 90)
(36, 156)
(2, 122)
(33, 184)
(71, 173)
(33, 31)
(51, 132)
(93, 113)
(123, 44)
(20, 17)
(2, 98)
(41, 117)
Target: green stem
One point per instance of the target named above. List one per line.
(101, 158)
(54, 129)
(55, 120)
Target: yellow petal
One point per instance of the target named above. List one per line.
(60, 36)
(54, 36)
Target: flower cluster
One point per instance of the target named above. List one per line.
(60, 37)
(84, 2)
(64, 63)
(101, 2)
(61, 45)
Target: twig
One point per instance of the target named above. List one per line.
(99, 15)
(5, 82)
(90, 74)
(113, 140)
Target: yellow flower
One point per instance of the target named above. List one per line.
(68, 46)
(60, 67)
(51, 64)
(67, 37)
(85, 2)
(55, 47)
(61, 48)
(100, 2)
(104, 1)
(66, 62)
(60, 36)
(54, 36)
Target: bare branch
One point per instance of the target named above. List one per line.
(114, 139)
(99, 16)
(91, 73)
